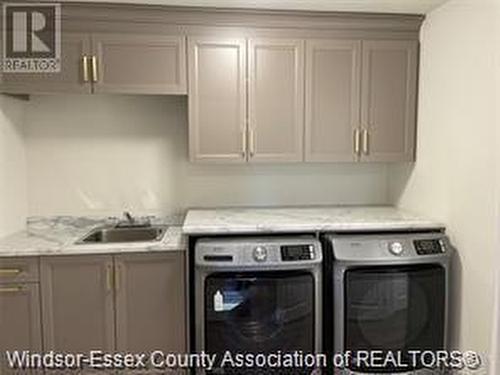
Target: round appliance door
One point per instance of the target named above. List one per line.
(259, 312)
(397, 309)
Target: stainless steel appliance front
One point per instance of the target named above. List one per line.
(390, 294)
(258, 294)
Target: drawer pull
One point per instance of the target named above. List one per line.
(14, 289)
(10, 272)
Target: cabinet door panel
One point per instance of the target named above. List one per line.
(20, 324)
(389, 87)
(140, 64)
(276, 99)
(77, 303)
(217, 99)
(332, 99)
(150, 302)
(68, 80)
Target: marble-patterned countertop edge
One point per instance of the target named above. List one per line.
(306, 219)
(57, 235)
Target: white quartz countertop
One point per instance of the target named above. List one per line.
(309, 219)
(57, 236)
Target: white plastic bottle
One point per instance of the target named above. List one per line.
(218, 301)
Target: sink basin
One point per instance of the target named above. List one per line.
(124, 235)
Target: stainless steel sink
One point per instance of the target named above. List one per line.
(124, 235)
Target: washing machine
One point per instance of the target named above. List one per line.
(258, 295)
(390, 295)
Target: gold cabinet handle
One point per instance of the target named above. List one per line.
(244, 142)
(10, 272)
(366, 141)
(357, 141)
(95, 77)
(117, 277)
(13, 289)
(85, 68)
(109, 277)
(251, 141)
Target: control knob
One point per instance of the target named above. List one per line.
(260, 254)
(396, 248)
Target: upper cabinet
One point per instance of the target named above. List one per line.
(71, 79)
(217, 99)
(275, 99)
(389, 92)
(361, 100)
(139, 64)
(332, 100)
(262, 87)
(110, 63)
(240, 113)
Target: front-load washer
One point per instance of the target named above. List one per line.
(390, 296)
(258, 296)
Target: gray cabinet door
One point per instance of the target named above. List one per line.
(20, 325)
(217, 99)
(332, 99)
(77, 303)
(140, 64)
(389, 88)
(276, 100)
(69, 80)
(150, 302)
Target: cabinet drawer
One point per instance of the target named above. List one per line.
(15, 270)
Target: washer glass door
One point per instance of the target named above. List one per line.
(259, 312)
(397, 309)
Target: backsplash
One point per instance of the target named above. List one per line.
(99, 155)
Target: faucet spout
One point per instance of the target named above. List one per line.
(128, 216)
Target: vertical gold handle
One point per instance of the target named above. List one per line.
(251, 141)
(366, 141)
(95, 77)
(244, 142)
(85, 68)
(356, 141)
(117, 277)
(109, 277)
(13, 289)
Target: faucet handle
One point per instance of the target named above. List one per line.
(128, 216)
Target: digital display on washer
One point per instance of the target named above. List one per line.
(427, 247)
(297, 252)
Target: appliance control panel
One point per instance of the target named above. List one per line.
(429, 246)
(291, 253)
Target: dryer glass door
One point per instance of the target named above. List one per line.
(397, 309)
(259, 312)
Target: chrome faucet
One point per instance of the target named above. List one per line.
(131, 221)
(128, 217)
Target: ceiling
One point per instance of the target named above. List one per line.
(379, 6)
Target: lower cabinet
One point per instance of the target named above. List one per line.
(150, 312)
(125, 303)
(78, 303)
(20, 327)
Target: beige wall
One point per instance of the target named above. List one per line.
(453, 179)
(96, 155)
(13, 205)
